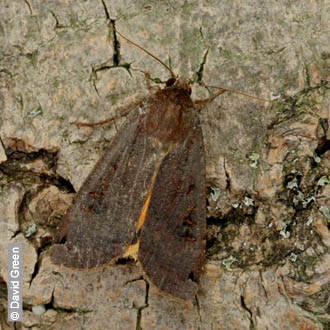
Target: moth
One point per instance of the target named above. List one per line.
(146, 197)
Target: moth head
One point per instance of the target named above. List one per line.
(181, 83)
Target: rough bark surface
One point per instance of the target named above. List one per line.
(268, 165)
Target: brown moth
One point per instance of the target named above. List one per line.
(145, 198)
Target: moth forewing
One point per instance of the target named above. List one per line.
(145, 198)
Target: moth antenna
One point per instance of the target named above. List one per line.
(240, 93)
(147, 52)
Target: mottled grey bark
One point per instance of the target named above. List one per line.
(267, 163)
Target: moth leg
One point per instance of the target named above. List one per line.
(123, 111)
(99, 123)
(150, 87)
(200, 104)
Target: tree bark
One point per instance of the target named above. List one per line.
(267, 163)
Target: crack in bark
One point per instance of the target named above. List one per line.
(198, 307)
(228, 183)
(29, 6)
(140, 309)
(199, 73)
(248, 310)
(112, 26)
(35, 270)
